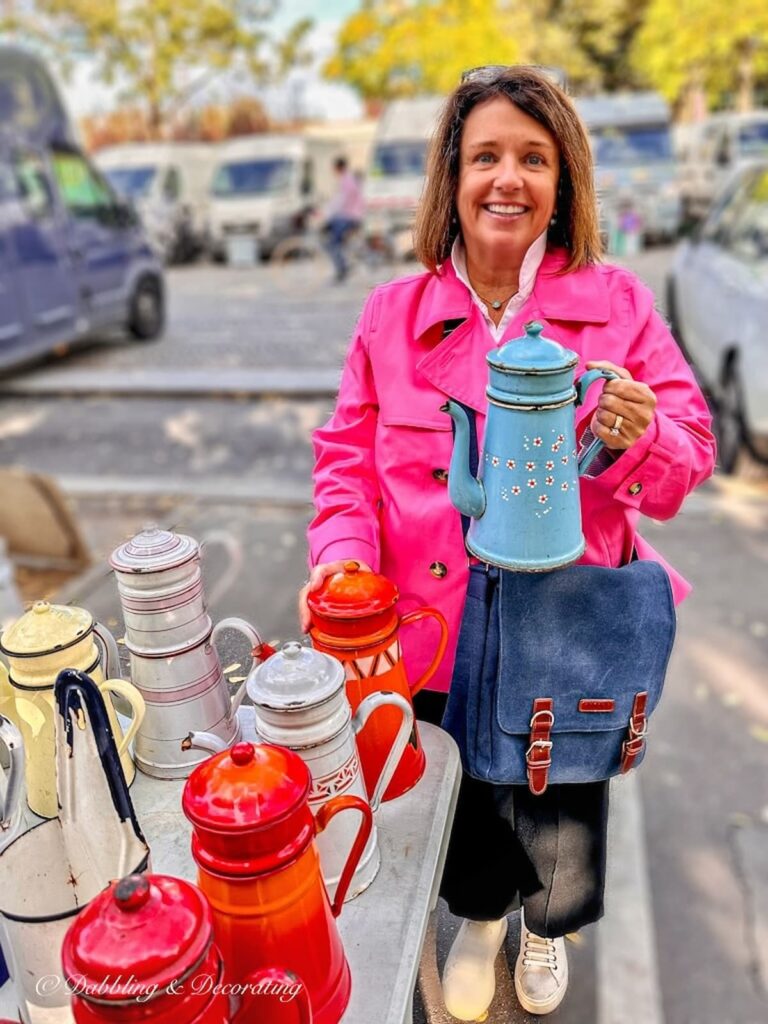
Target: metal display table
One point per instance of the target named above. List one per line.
(384, 928)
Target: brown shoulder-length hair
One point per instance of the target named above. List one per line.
(534, 92)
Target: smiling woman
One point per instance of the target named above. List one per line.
(508, 231)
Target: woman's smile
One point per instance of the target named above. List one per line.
(507, 191)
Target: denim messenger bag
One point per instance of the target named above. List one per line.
(556, 673)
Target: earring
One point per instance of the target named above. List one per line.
(553, 220)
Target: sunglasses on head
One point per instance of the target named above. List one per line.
(488, 73)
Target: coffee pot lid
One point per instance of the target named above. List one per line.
(153, 550)
(138, 936)
(45, 628)
(353, 593)
(248, 786)
(295, 677)
(532, 353)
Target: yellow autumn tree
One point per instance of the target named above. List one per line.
(718, 48)
(392, 48)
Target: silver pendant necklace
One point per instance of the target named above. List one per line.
(496, 303)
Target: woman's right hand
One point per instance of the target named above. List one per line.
(316, 577)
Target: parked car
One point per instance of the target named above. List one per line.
(168, 183)
(74, 259)
(717, 294)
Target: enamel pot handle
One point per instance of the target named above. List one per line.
(585, 381)
(323, 816)
(130, 694)
(11, 800)
(423, 613)
(296, 1010)
(254, 640)
(110, 658)
(364, 711)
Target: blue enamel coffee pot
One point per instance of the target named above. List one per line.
(524, 506)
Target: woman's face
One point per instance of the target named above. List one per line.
(508, 173)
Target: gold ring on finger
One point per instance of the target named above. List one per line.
(616, 428)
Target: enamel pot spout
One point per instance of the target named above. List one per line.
(467, 494)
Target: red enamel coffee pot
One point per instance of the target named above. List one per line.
(354, 618)
(258, 864)
(144, 951)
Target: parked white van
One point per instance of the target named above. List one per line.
(712, 150)
(264, 188)
(168, 183)
(397, 167)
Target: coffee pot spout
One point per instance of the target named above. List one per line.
(467, 494)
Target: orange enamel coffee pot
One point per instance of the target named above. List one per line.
(354, 618)
(258, 864)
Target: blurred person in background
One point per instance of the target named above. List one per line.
(343, 215)
(508, 231)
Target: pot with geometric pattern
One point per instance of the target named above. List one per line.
(300, 703)
(355, 619)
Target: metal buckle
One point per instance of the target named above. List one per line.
(544, 744)
(640, 733)
(544, 711)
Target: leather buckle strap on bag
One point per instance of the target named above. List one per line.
(638, 728)
(538, 757)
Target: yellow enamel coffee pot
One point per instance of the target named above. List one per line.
(45, 640)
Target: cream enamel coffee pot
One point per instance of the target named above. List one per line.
(45, 640)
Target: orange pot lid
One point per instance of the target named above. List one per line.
(353, 593)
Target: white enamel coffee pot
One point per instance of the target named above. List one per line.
(300, 703)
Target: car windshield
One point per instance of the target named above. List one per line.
(753, 138)
(400, 158)
(133, 182)
(621, 147)
(253, 177)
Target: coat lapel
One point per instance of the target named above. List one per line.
(456, 366)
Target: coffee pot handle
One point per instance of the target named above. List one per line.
(11, 800)
(423, 613)
(253, 638)
(110, 657)
(585, 381)
(276, 981)
(361, 716)
(334, 806)
(130, 694)
(234, 551)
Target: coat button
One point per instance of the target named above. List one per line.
(635, 488)
(439, 569)
(441, 475)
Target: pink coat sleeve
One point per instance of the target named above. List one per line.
(346, 491)
(677, 452)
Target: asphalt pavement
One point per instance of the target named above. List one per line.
(161, 431)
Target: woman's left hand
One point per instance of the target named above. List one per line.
(626, 403)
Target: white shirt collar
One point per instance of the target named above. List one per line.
(528, 272)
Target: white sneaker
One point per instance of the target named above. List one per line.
(469, 979)
(541, 972)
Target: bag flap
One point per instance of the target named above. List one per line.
(583, 633)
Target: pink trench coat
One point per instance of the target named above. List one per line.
(380, 490)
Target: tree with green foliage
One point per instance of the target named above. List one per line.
(720, 49)
(160, 52)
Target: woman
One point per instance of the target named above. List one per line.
(507, 228)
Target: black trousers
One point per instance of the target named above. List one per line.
(508, 847)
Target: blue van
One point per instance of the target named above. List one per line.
(74, 258)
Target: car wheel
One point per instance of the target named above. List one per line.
(146, 315)
(729, 426)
